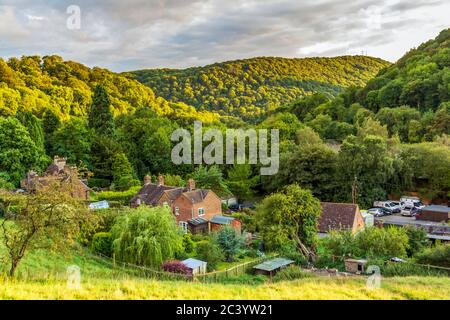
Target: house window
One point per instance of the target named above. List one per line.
(201, 212)
(177, 211)
(184, 226)
(138, 202)
(165, 204)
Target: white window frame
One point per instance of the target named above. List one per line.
(184, 226)
(177, 211)
(201, 209)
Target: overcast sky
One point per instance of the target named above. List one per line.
(135, 34)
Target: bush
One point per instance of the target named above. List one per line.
(229, 242)
(382, 242)
(437, 256)
(125, 183)
(417, 240)
(292, 273)
(176, 266)
(340, 243)
(392, 269)
(328, 261)
(188, 243)
(123, 197)
(291, 252)
(210, 252)
(102, 243)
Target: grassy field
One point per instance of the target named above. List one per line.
(320, 288)
(42, 275)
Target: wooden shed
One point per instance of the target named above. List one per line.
(355, 265)
(197, 266)
(271, 267)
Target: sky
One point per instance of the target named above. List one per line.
(124, 35)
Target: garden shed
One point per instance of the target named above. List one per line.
(196, 266)
(271, 267)
(355, 265)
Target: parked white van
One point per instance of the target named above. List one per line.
(411, 201)
(394, 207)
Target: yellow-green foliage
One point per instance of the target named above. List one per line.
(250, 87)
(36, 84)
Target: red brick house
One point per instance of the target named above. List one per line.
(340, 216)
(193, 208)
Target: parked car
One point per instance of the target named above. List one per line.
(391, 205)
(411, 201)
(409, 211)
(396, 259)
(235, 207)
(379, 211)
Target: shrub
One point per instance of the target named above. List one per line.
(437, 256)
(290, 251)
(340, 243)
(188, 243)
(123, 197)
(292, 273)
(417, 240)
(328, 261)
(229, 242)
(102, 243)
(391, 269)
(381, 242)
(210, 252)
(176, 266)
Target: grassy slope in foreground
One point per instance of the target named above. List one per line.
(42, 276)
(323, 288)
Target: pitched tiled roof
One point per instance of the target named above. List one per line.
(151, 193)
(337, 216)
(196, 196)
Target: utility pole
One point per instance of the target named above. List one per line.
(354, 190)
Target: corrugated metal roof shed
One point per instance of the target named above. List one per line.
(273, 264)
(193, 263)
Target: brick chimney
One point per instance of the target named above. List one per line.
(60, 162)
(191, 185)
(160, 180)
(147, 180)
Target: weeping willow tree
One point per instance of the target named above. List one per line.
(146, 236)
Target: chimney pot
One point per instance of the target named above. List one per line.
(191, 185)
(160, 180)
(147, 180)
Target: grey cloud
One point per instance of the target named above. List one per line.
(125, 35)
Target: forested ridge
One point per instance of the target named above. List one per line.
(37, 84)
(248, 88)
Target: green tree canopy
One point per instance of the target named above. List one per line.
(146, 236)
